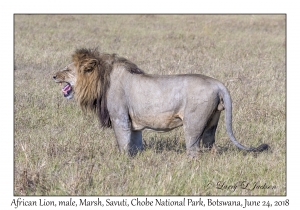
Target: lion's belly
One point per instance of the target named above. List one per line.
(160, 122)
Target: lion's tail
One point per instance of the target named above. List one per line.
(224, 94)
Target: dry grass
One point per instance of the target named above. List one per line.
(59, 151)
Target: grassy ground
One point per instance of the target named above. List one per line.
(59, 151)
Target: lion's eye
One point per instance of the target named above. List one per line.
(88, 70)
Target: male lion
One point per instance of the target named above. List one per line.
(129, 100)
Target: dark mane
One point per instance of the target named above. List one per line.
(91, 88)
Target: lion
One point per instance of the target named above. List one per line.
(129, 101)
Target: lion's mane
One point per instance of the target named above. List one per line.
(93, 71)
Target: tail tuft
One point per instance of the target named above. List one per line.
(261, 148)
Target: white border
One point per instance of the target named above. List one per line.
(154, 6)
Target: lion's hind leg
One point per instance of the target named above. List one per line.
(208, 137)
(193, 132)
(136, 142)
(202, 124)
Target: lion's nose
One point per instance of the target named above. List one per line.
(54, 77)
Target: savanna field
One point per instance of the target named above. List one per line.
(60, 151)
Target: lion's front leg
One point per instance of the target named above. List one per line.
(129, 142)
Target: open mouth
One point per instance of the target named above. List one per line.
(67, 90)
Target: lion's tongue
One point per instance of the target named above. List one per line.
(66, 90)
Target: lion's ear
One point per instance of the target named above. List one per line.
(90, 65)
